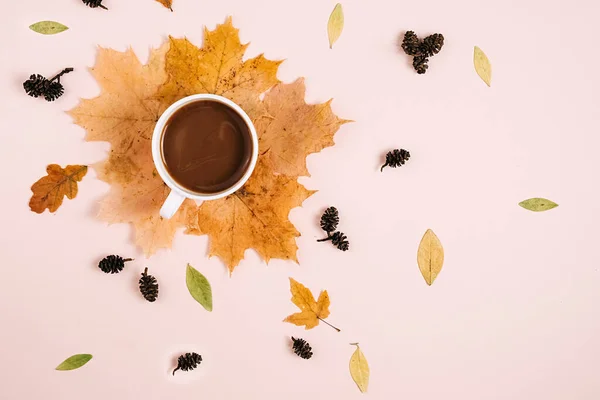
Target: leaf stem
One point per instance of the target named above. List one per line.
(322, 320)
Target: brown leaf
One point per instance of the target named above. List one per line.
(296, 129)
(311, 311)
(48, 191)
(132, 98)
(254, 217)
(219, 69)
(167, 3)
(124, 115)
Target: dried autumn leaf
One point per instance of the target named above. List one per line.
(255, 216)
(49, 191)
(296, 129)
(124, 115)
(482, 65)
(359, 369)
(538, 204)
(430, 256)
(218, 68)
(134, 96)
(311, 311)
(335, 25)
(167, 3)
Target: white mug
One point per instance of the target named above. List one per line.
(179, 193)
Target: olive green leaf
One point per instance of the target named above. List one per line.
(538, 204)
(74, 362)
(482, 66)
(199, 287)
(48, 27)
(335, 25)
(430, 256)
(359, 369)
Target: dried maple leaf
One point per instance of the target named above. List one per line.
(218, 68)
(296, 129)
(134, 96)
(49, 191)
(124, 115)
(254, 217)
(167, 3)
(311, 311)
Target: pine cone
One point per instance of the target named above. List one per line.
(330, 220)
(302, 348)
(420, 64)
(396, 158)
(339, 240)
(53, 91)
(35, 86)
(94, 3)
(113, 264)
(410, 43)
(188, 362)
(148, 286)
(432, 44)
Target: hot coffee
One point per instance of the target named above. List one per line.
(206, 147)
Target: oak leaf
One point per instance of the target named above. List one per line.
(49, 191)
(311, 311)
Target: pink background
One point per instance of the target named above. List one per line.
(515, 313)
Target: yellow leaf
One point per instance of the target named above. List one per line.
(359, 369)
(430, 256)
(482, 66)
(335, 25)
(311, 311)
(254, 217)
(49, 191)
(167, 3)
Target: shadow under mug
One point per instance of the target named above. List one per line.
(179, 193)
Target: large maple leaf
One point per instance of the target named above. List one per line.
(134, 96)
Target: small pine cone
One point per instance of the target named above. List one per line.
(188, 362)
(330, 220)
(35, 86)
(432, 44)
(53, 91)
(420, 64)
(302, 348)
(410, 43)
(148, 286)
(396, 158)
(339, 240)
(113, 264)
(94, 3)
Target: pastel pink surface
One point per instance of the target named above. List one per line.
(515, 313)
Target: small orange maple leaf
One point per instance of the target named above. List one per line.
(49, 191)
(311, 311)
(167, 3)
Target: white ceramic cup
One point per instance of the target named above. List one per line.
(179, 193)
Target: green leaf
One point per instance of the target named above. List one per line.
(199, 287)
(74, 362)
(483, 67)
(538, 204)
(48, 27)
(335, 25)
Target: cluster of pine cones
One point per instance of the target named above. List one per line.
(329, 222)
(422, 50)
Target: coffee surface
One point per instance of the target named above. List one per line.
(206, 146)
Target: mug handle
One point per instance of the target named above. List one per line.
(171, 204)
